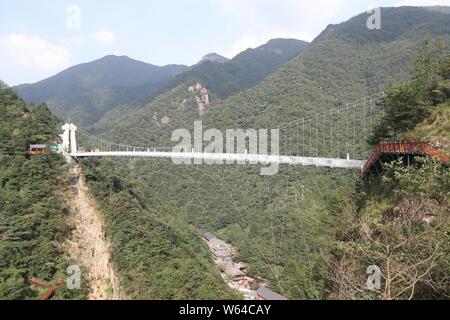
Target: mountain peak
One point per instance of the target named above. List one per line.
(214, 57)
(114, 57)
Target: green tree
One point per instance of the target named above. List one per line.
(409, 103)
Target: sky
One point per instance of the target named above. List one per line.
(40, 38)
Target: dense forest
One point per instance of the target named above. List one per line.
(157, 256)
(33, 212)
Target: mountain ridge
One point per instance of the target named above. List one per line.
(99, 74)
(245, 70)
(86, 91)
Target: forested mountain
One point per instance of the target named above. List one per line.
(282, 236)
(87, 91)
(220, 79)
(33, 210)
(226, 78)
(345, 63)
(156, 254)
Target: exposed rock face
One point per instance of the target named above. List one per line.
(89, 246)
(165, 120)
(201, 97)
(183, 105)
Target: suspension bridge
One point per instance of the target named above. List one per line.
(335, 139)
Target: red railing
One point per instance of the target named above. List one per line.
(404, 147)
(51, 289)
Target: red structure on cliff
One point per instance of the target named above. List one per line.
(386, 152)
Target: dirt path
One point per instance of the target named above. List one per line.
(88, 245)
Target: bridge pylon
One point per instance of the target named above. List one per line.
(70, 138)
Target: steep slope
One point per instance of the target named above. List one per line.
(346, 62)
(278, 229)
(85, 92)
(157, 256)
(401, 217)
(88, 244)
(33, 211)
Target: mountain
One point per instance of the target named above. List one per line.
(442, 9)
(214, 57)
(280, 227)
(220, 80)
(247, 69)
(344, 63)
(85, 92)
(107, 72)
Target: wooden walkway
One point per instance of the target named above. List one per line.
(394, 150)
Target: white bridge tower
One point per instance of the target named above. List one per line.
(69, 138)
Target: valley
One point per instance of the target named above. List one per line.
(142, 227)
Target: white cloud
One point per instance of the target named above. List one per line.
(34, 53)
(105, 37)
(30, 58)
(73, 42)
(266, 19)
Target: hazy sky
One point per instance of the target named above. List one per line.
(42, 37)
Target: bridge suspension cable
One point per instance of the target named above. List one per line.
(325, 135)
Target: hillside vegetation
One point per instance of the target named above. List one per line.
(245, 70)
(221, 79)
(87, 91)
(310, 232)
(400, 220)
(32, 209)
(157, 256)
(339, 67)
